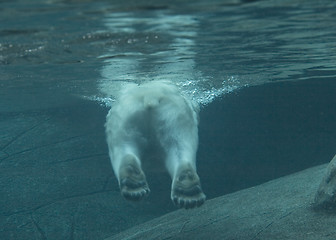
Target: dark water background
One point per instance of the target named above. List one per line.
(263, 70)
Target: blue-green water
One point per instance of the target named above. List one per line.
(264, 73)
(208, 48)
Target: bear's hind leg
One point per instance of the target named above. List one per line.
(186, 188)
(132, 180)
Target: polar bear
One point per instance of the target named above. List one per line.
(155, 115)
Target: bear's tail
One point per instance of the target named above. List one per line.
(151, 101)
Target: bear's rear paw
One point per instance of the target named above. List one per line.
(186, 191)
(133, 184)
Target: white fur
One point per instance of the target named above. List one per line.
(153, 113)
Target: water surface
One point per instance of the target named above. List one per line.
(60, 48)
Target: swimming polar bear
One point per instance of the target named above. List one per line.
(155, 114)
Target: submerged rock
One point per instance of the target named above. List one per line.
(279, 209)
(325, 197)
